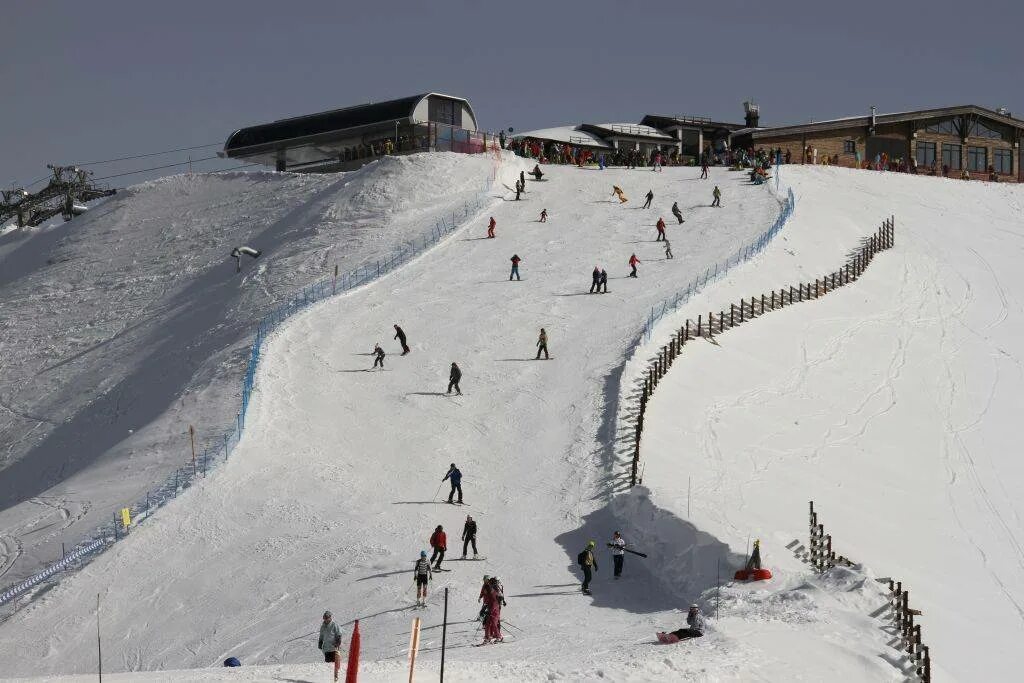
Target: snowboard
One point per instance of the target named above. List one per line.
(668, 638)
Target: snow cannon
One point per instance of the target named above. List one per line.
(232, 661)
(754, 571)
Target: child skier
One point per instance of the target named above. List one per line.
(378, 356)
(421, 574)
(661, 229)
(633, 261)
(490, 227)
(668, 250)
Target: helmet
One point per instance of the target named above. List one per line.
(453, 465)
(694, 606)
(591, 544)
(327, 614)
(423, 553)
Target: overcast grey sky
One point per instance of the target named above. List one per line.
(87, 81)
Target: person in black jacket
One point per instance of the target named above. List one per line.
(378, 356)
(650, 198)
(603, 282)
(469, 536)
(596, 284)
(453, 379)
(400, 336)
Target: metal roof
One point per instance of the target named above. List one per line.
(881, 119)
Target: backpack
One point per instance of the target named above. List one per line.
(581, 559)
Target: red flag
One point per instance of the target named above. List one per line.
(352, 670)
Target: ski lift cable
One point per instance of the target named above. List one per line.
(151, 154)
(157, 168)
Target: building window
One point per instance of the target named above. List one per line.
(942, 127)
(980, 130)
(977, 159)
(849, 146)
(951, 156)
(925, 154)
(1002, 159)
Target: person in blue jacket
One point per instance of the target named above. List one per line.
(330, 642)
(456, 478)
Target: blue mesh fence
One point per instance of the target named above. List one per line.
(220, 448)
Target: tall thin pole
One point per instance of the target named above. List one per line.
(192, 437)
(718, 587)
(688, 498)
(444, 632)
(99, 646)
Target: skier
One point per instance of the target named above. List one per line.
(603, 282)
(618, 554)
(421, 574)
(378, 356)
(668, 250)
(650, 198)
(522, 180)
(453, 379)
(588, 563)
(490, 227)
(330, 642)
(484, 607)
(543, 215)
(704, 169)
(718, 197)
(439, 542)
(400, 336)
(515, 267)
(542, 344)
(456, 478)
(600, 162)
(493, 600)
(696, 626)
(519, 189)
(676, 212)
(617, 191)
(469, 536)
(657, 162)
(596, 284)
(536, 172)
(661, 229)
(633, 261)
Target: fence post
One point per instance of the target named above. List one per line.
(732, 315)
(699, 324)
(721, 321)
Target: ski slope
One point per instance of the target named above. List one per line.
(126, 325)
(891, 403)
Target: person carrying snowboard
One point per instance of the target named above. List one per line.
(453, 379)
(378, 356)
(617, 191)
(596, 284)
(455, 476)
(696, 626)
(421, 575)
(603, 282)
(668, 249)
(542, 345)
(676, 212)
(469, 536)
(400, 336)
(515, 267)
(330, 642)
(543, 215)
(588, 563)
(661, 229)
(490, 227)
(650, 198)
(718, 197)
(618, 554)
(439, 542)
(633, 261)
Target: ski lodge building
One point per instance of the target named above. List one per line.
(345, 139)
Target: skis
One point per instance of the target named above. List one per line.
(455, 502)
(466, 559)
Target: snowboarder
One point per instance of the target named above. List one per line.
(536, 172)
(238, 252)
(515, 267)
(650, 198)
(718, 197)
(330, 642)
(493, 600)
(618, 554)
(695, 623)
(439, 542)
(633, 261)
(676, 212)
(603, 282)
(542, 344)
(588, 563)
(400, 336)
(755, 557)
(661, 229)
(490, 227)
(453, 379)
(455, 476)
(378, 356)
(704, 169)
(543, 215)
(596, 284)
(421, 575)
(469, 536)
(617, 191)
(668, 249)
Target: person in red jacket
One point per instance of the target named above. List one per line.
(490, 227)
(633, 261)
(661, 229)
(439, 542)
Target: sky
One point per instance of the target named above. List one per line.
(88, 82)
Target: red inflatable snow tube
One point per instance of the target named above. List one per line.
(753, 575)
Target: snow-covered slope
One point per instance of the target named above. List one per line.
(892, 403)
(124, 326)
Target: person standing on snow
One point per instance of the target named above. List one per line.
(676, 212)
(542, 344)
(453, 379)
(657, 162)
(469, 536)
(603, 282)
(661, 229)
(650, 198)
(494, 599)
(704, 169)
(536, 172)
(618, 554)
(600, 162)
(718, 197)
(456, 478)
(522, 180)
(439, 542)
(400, 336)
(490, 227)
(543, 215)
(330, 642)
(515, 267)
(668, 250)
(421, 575)
(378, 356)
(588, 563)
(633, 261)
(519, 189)
(596, 284)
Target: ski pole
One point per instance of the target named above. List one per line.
(437, 491)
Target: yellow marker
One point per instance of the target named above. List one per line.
(126, 517)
